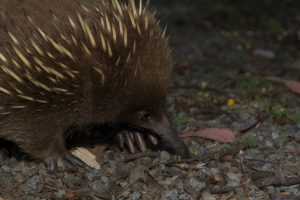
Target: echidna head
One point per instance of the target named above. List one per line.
(146, 113)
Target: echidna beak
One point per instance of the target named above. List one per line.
(172, 138)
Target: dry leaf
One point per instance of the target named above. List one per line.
(69, 195)
(275, 79)
(224, 135)
(292, 85)
(86, 156)
(190, 166)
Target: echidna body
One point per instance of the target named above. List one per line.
(70, 63)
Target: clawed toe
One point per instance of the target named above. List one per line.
(62, 163)
(134, 141)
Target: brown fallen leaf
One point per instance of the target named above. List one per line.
(69, 195)
(292, 85)
(190, 166)
(275, 79)
(224, 135)
(86, 156)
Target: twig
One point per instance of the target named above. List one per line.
(277, 181)
(248, 127)
(135, 156)
(220, 190)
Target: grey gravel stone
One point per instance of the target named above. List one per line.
(185, 197)
(267, 167)
(74, 179)
(33, 182)
(16, 168)
(271, 190)
(207, 196)
(19, 178)
(113, 165)
(275, 134)
(164, 157)
(98, 187)
(264, 53)
(6, 169)
(105, 180)
(5, 180)
(122, 183)
(59, 193)
(135, 196)
(170, 195)
(93, 175)
(196, 184)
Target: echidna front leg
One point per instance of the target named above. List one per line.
(52, 150)
(134, 140)
(61, 163)
(41, 140)
(54, 154)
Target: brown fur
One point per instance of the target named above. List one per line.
(137, 82)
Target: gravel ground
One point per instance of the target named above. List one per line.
(219, 81)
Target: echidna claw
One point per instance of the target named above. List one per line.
(62, 163)
(153, 139)
(58, 163)
(139, 139)
(134, 140)
(129, 142)
(120, 140)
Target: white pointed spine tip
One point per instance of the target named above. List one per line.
(22, 58)
(98, 70)
(5, 91)
(164, 32)
(13, 38)
(3, 58)
(11, 73)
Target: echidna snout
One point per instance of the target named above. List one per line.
(163, 129)
(154, 122)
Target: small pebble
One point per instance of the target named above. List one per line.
(164, 157)
(135, 196)
(264, 53)
(170, 195)
(105, 180)
(33, 182)
(6, 168)
(98, 187)
(19, 178)
(207, 196)
(73, 179)
(59, 193)
(185, 197)
(16, 168)
(93, 175)
(196, 184)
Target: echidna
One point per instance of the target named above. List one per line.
(74, 62)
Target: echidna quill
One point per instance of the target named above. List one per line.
(74, 62)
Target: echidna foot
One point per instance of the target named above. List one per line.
(131, 139)
(62, 163)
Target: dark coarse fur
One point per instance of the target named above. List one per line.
(70, 63)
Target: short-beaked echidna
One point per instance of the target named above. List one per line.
(74, 62)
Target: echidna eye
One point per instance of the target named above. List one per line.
(144, 115)
(147, 116)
